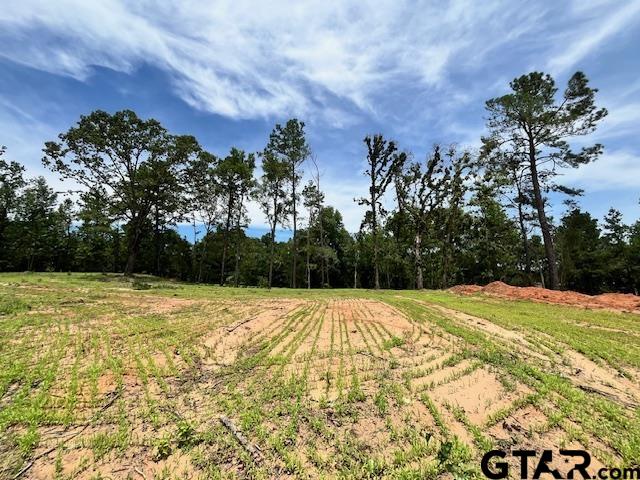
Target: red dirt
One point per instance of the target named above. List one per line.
(616, 301)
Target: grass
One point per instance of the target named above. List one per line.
(327, 383)
(601, 335)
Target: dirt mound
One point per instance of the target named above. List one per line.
(616, 301)
(625, 301)
(466, 289)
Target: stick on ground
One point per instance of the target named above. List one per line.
(254, 451)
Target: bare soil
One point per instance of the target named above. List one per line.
(623, 302)
(330, 376)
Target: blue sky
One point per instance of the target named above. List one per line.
(227, 71)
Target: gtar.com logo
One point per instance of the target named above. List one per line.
(533, 464)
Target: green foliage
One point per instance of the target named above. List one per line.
(10, 305)
(162, 448)
(288, 148)
(185, 434)
(138, 181)
(134, 163)
(384, 162)
(139, 284)
(528, 140)
(581, 253)
(234, 182)
(393, 342)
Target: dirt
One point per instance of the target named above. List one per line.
(152, 304)
(604, 381)
(478, 394)
(520, 341)
(582, 371)
(350, 339)
(225, 341)
(622, 302)
(522, 422)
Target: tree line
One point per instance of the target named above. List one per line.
(454, 216)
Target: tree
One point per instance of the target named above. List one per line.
(96, 233)
(289, 144)
(35, 239)
(119, 153)
(203, 196)
(270, 194)
(384, 161)
(63, 219)
(492, 245)
(169, 189)
(234, 177)
(325, 252)
(512, 183)
(335, 248)
(582, 266)
(421, 190)
(532, 128)
(451, 217)
(313, 199)
(11, 183)
(616, 252)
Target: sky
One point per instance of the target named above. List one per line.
(227, 71)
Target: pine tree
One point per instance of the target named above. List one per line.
(530, 126)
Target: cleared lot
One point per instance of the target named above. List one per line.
(102, 378)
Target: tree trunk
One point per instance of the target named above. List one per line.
(193, 249)
(238, 239)
(541, 274)
(295, 229)
(225, 241)
(445, 256)
(355, 270)
(273, 239)
(273, 244)
(374, 222)
(116, 250)
(202, 255)
(418, 254)
(525, 241)
(323, 260)
(523, 227)
(67, 250)
(156, 241)
(132, 249)
(552, 266)
(236, 274)
(309, 253)
(31, 260)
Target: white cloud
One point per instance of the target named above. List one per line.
(615, 170)
(622, 121)
(246, 59)
(416, 69)
(604, 19)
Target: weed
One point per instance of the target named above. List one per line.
(392, 342)
(162, 448)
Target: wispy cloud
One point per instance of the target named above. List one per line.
(417, 71)
(615, 170)
(246, 59)
(600, 20)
